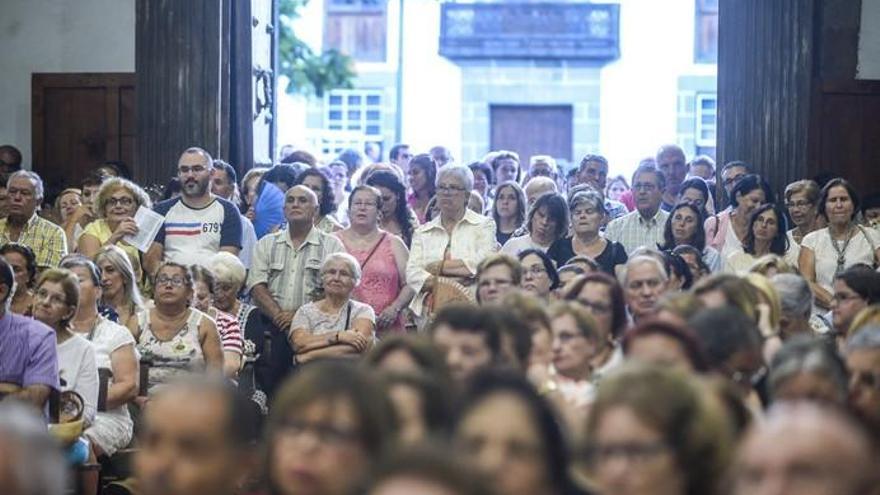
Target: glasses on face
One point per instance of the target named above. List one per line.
(195, 169)
(644, 186)
(799, 205)
(449, 189)
(535, 271)
(53, 299)
(123, 201)
(363, 204)
(326, 434)
(632, 452)
(172, 281)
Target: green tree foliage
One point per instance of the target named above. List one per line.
(310, 73)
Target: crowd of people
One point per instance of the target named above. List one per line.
(419, 326)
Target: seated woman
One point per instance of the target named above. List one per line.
(229, 278)
(508, 210)
(382, 258)
(24, 266)
(726, 231)
(695, 191)
(118, 200)
(315, 180)
(336, 325)
(227, 324)
(664, 343)
(114, 350)
(173, 337)
(56, 297)
(801, 201)
(576, 341)
(766, 235)
(588, 216)
(539, 276)
(547, 222)
(70, 211)
(121, 295)
(497, 275)
(684, 227)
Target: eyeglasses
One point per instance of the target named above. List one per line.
(324, 433)
(535, 271)
(798, 204)
(195, 169)
(173, 281)
(632, 452)
(448, 189)
(125, 201)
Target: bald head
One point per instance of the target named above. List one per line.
(300, 206)
(671, 161)
(537, 187)
(805, 449)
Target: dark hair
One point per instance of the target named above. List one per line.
(470, 319)
(16, 156)
(171, 188)
(650, 168)
(686, 337)
(436, 464)
(507, 155)
(698, 240)
(615, 291)
(676, 265)
(419, 348)
(779, 244)
(93, 179)
(839, 182)
(395, 150)
(300, 156)
(389, 180)
(699, 184)
(738, 163)
(557, 209)
(228, 169)
(698, 253)
(725, 331)
(7, 278)
(520, 202)
(592, 158)
(862, 279)
(282, 172)
(435, 398)
(328, 203)
(748, 184)
(549, 266)
(30, 259)
(425, 163)
(515, 331)
(485, 169)
(119, 167)
(556, 454)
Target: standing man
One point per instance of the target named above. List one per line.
(23, 225)
(593, 171)
(441, 156)
(198, 223)
(644, 226)
(671, 161)
(224, 184)
(731, 173)
(400, 155)
(285, 274)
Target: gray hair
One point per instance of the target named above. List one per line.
(35, 461)
(806, 354)
(121, 262)
(641, 259)
(349, 260)
(227, 268)
(865, 338)
(795, 295)
(31, 176)
(461, 172)
(590, 197)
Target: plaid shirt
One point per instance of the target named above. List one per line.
(633, 231)
(45, 238)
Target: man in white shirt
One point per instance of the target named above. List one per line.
(644, 226)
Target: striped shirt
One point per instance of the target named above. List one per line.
(634, 231)
(230, 332)
(291, 274)
(46, 239)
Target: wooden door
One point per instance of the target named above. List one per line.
(80, 120)
(532, 130)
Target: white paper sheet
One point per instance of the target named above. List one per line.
(148, 222)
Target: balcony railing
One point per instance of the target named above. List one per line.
(530, 31)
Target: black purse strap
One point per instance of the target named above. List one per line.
(348, 317)
(373, 251)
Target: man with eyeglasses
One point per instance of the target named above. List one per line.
(644, 226)
(804, 448)
(198, 223)
(731, 173)
(224, 184)
(862, 354)
(23, 225)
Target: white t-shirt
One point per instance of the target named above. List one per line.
(191, 236)
(859, 250)
(79, 372)
(516, 245)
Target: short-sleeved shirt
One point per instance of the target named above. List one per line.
(614, 254)
(516, 245)
(107, 338)
(191, 236)
(292, 274)
(317, 322)
(27, 352)
(99, 229)
(634, 231)
(47, 240)
(860, 249)
(78, 371)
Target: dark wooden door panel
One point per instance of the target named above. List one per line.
(849, 133)
(80, 121)
(532, 130)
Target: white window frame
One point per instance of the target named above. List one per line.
(345, 107)
(699, 126)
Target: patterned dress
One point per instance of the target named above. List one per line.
(180, 355)
(380, 283)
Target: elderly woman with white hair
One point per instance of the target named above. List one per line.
(336, 325)
(452, 244)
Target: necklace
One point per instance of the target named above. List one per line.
(841, 251)
(90, 335)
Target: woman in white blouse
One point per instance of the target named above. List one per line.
(843, 243)
(452, 244)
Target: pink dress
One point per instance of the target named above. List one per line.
(380, 281)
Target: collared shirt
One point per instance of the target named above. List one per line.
(292, 274)
(45, 238)
(471, 240)
(615, 209)
(28, 355)
(634, 231)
